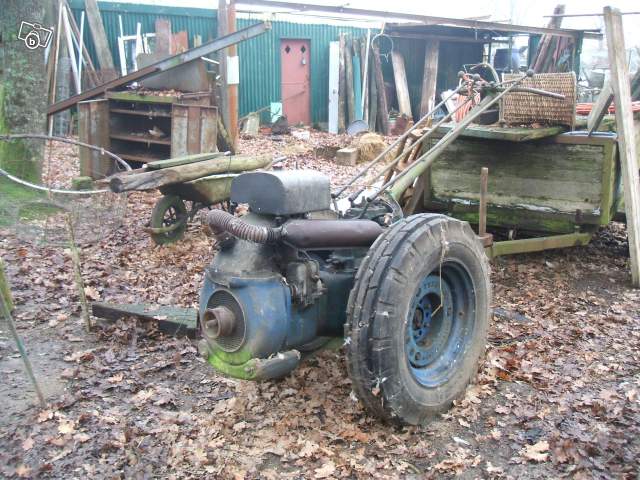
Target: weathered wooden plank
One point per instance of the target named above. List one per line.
(334, 85)
(176, 321)
(402, 87)
(105, 59)
(626, 140)
(351, 97)
(93, 128)
(429, 77)
(540, 177)
(342, 85)
(163, 36)
(511, 134)
(600, 108)
(383, 107)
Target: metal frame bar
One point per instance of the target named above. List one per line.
(424, 19)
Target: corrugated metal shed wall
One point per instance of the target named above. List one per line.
(259, 57)
(260, 64)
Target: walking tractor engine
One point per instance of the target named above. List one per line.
(409, 295)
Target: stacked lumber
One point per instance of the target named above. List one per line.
(554, 54)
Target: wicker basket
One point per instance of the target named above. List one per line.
(526, 108)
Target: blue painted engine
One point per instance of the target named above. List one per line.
(280, 282)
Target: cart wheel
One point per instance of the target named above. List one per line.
(169, 211)
(417, 318)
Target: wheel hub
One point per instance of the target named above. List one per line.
(438, 325)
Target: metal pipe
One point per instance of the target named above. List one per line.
(394, 144)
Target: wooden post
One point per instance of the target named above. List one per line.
(232, 52)
(223, 29)
(402, 88)
(342, 86)
(334, 85)
(77, 274)
(600, 108)
(373, 100)
(351, 99)
(482, 217)
(383, 108)
(5, 311)
(105, 59)
(429, 77)
(626, 140)
(365, 77)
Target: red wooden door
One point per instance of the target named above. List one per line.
(296, 81)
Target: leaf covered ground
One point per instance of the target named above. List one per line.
(557, 393)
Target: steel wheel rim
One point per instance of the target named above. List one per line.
(439, 324)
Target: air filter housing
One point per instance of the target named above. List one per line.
(287, 192)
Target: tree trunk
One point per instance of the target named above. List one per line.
(23, 87)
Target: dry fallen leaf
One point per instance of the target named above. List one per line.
(23, 471)
(45, 415)
(66, 427)
(91, 293)
(326, 470)
(538, 452)
(28, 444)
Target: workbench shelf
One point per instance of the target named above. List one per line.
(144, 128)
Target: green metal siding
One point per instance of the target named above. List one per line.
(259, 57)
(260, 64)
(196, 21)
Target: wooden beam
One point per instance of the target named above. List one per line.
(429, 77)
(402, 87)
(425, 19)
(383, 107)
(351, 98)
(600, 108)
(625, 129)
(334, 85)
(232, 95)
(223, 29)
(105, 59)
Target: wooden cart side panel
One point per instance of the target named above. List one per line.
(93, 128)
(547, 186)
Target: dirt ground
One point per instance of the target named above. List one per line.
(556, 395)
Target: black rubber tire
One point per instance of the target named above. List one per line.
(161, 207)
(378, 308)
